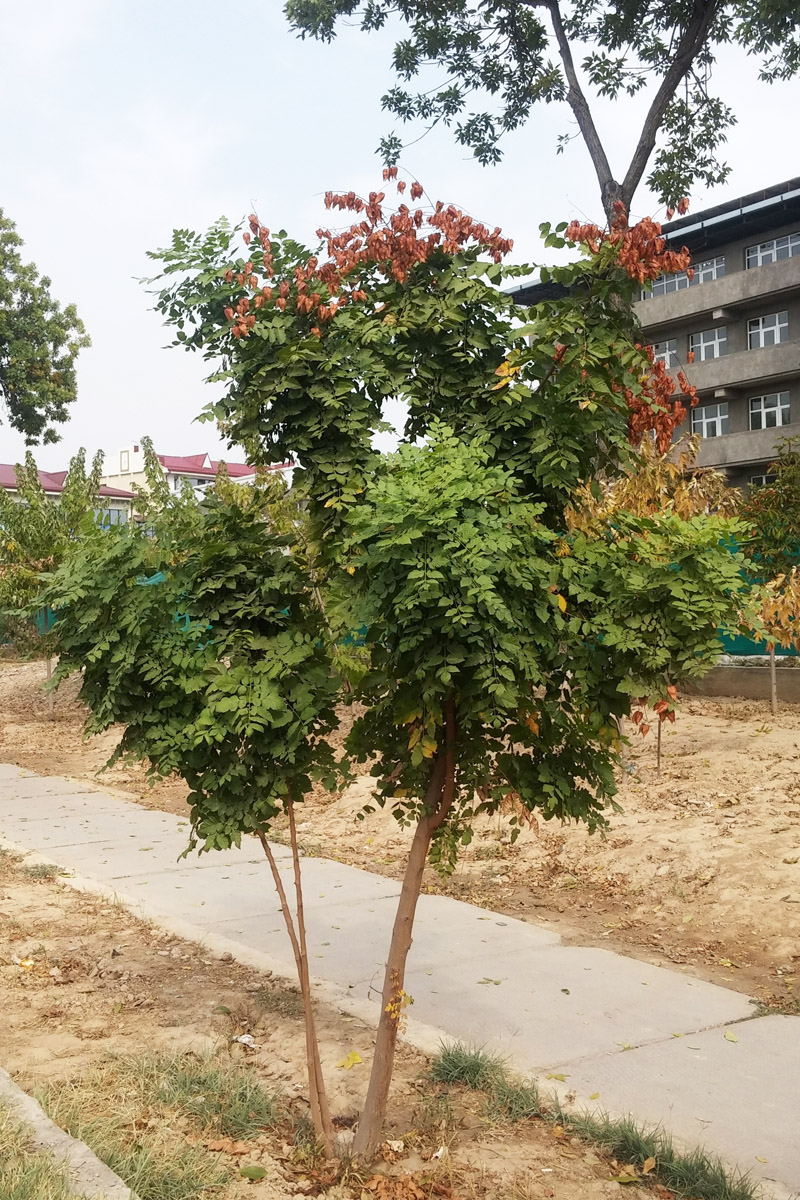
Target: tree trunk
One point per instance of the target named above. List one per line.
(51, 700)
(320, 1113)
(658, 745)
(773, 682)
(438, 800)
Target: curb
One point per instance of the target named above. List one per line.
(90, 1177)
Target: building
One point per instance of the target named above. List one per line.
(116, 504)
(740, 318)
(125, 467)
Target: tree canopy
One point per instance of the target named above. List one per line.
(503, 643)
(482, 68)
(39, 343)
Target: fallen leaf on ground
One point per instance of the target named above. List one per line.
(349, 1061)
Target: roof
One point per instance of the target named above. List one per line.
(201, 464)
(753, 214)
(53, 483)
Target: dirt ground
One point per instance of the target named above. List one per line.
(82, 980)
(701, 869)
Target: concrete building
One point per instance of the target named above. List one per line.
(740, 316)
(115, 504)
(126, 467)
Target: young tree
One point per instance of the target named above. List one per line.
(772, 517)
(503, 643)
(36, 533)
(39, 343)
(656, 483)
(495, 62)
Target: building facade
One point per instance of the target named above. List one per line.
(125, 467)
(734, 328)
(115, 505)
(738, 319)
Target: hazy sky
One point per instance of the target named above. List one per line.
(122, 120)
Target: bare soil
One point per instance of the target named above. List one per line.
(82, 980)
(701, 869)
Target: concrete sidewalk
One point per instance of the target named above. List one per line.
(650, 1041)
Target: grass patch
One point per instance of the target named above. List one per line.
(24, 1173)
(646, 1153)
(458, 1063)
(130, 1111)
(41, 870)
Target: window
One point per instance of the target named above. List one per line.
(709, 343)
(767, 331)
(107, 517)
(756, 481)
(767, 412)
(710, 421)
(773, 251)
(712, 268)
(124, 461)
(666, 352)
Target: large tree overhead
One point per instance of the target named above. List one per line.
(39, 342)
(482, 67)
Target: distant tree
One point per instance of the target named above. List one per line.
(36, 535)
(482, 68)
(772, 516)
(39, 343)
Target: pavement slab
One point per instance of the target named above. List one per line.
(735, 1088)
(649, 1040)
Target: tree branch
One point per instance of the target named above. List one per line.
(609, 188)
(689, 45)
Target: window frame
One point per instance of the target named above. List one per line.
(669, 356)
(700, 420)
(755, 255)
(778, 408)
(704, 272)
(780, 326)
(719, 342)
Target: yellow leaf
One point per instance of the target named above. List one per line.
(532, 724)
(730, 1037)
(595, 1096)
(350, 570)
(350, 1061)
(561, 1078)
(759, 1159)
(331, 502)
(648, 1165)
(562, 604)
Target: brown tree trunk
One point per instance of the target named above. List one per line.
(438, 800)
(320, 1114)
(773, 682)
(312, 1042)
(658, 745)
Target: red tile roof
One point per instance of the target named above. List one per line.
(53, 483)
(192, 464)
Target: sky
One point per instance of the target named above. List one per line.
(122, 121)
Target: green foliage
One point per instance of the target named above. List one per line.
(204, 641)
(455, 555)
(39, 343)
(458, 1063)
(772, 515)
(36, 533)
(497, 62)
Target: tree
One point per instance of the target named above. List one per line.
(772, 517)
(39, 343)
(656, 482)
(503, 643)
(497, 61)
(36, 534)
